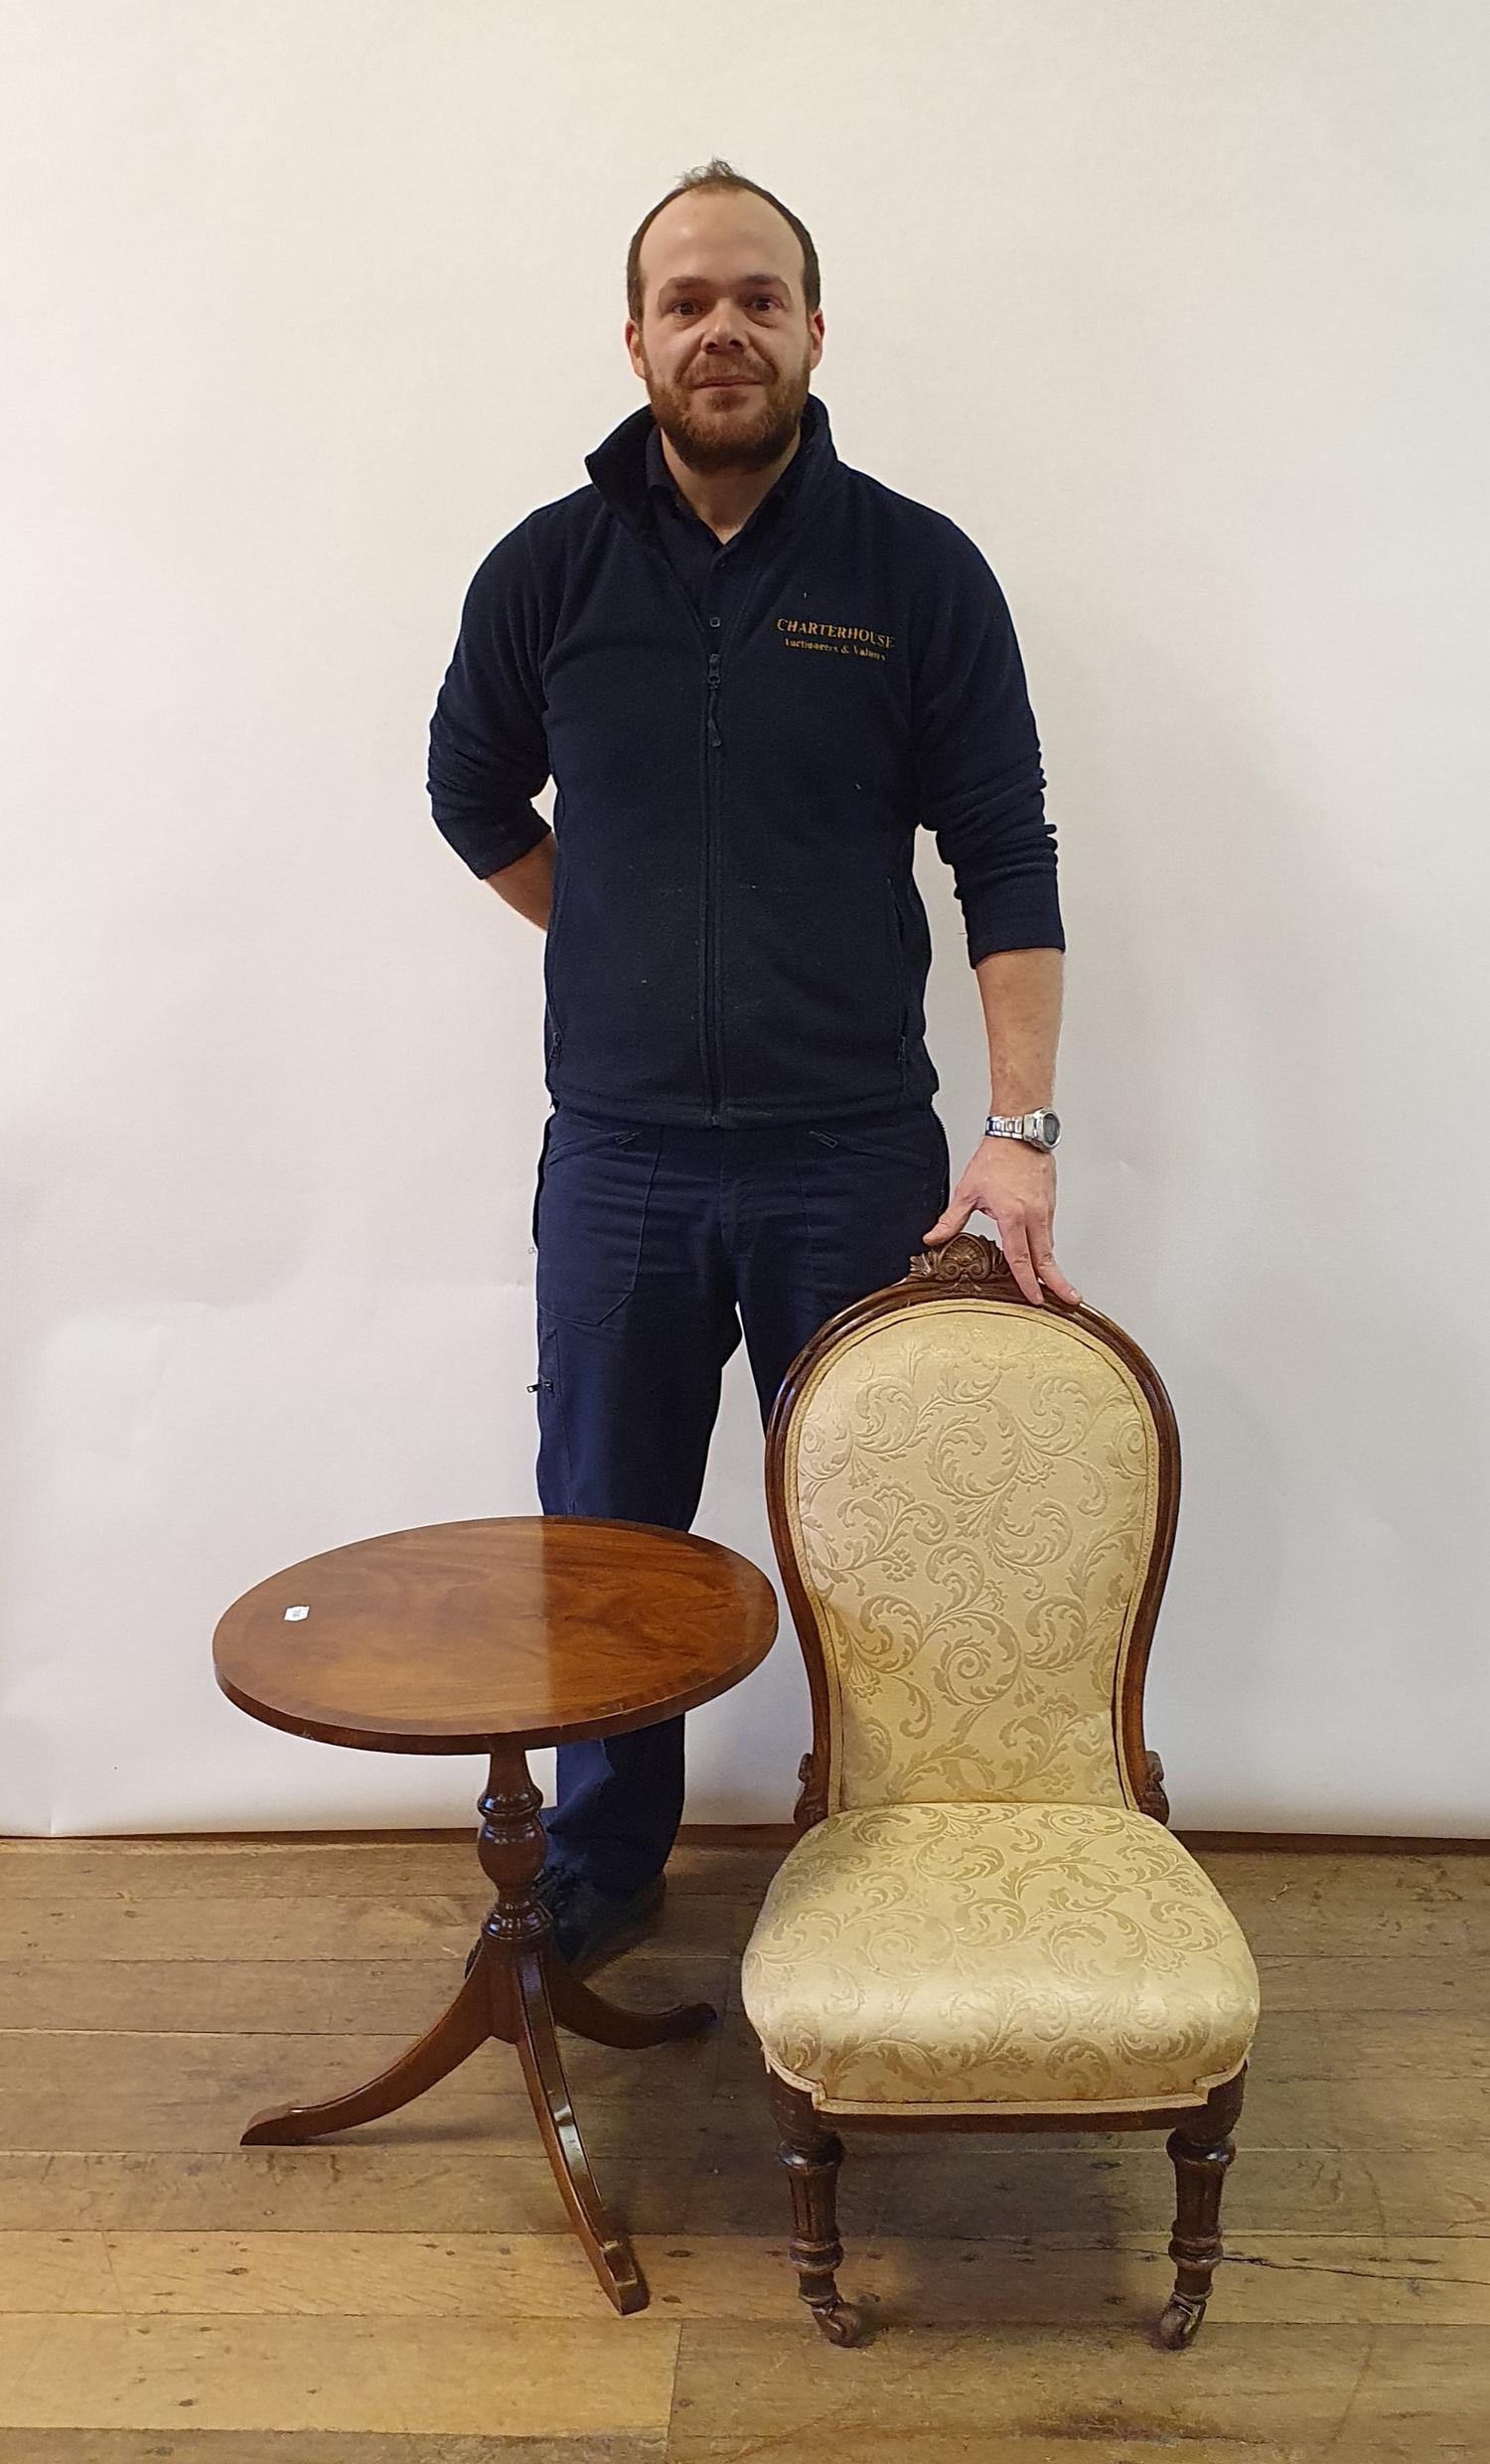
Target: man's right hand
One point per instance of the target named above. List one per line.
(528, 884)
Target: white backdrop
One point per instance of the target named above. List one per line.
(1177, 308)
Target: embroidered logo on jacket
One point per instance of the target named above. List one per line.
(849, 640)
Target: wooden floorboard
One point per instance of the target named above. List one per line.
(410, 2294)
(154, 2446)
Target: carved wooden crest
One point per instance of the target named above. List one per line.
(968, 1258)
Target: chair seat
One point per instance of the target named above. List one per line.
(997, 1958)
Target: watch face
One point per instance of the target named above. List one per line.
(1050, 1128)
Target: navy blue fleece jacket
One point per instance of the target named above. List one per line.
(736, 935)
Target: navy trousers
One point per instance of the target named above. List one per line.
(657, 1248)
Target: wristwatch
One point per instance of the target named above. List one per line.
(1037, 1129)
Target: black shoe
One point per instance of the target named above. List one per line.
(592, 1926)
(589, 1924)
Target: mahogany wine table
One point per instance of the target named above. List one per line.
(491, 1637)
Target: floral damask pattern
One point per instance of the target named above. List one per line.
(973, 1497)
(999, 1958)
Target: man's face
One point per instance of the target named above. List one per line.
(725, 344)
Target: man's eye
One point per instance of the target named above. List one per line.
(762, 299)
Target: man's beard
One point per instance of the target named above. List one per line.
(748, 440)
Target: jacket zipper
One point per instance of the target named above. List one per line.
(709, 971)
(713, 1034)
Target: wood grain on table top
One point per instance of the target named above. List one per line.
(540, 1629)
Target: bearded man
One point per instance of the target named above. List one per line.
(753, 673)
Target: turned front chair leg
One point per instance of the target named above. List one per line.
(811, 2155)
(1202, 2148)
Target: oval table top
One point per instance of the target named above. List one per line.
(535, 1629)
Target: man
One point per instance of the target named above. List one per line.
(752, 673)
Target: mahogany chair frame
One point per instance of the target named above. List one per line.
(811, 2149)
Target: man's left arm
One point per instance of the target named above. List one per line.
(980, 788)
(1013, 1182)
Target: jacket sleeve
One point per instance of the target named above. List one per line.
(488, 753)
(979, 784)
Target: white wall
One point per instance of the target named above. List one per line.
(1177, 308)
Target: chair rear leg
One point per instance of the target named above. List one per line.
(1202, 2148)
(812, 2154)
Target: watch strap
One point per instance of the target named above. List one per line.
(1029, 1126)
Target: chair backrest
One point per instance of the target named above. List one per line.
(973, 1501)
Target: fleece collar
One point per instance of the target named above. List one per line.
(618, 467)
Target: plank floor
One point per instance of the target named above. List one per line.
(411, 2293)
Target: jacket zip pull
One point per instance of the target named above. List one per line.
(714, 737)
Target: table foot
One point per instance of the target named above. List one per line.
(608, 2251)
(585, 2014)
(464, 2026)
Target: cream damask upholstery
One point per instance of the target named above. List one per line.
(983, 1922)
(997, 1958)
(971, 1488)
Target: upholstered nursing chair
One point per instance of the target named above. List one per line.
(985, 1923)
